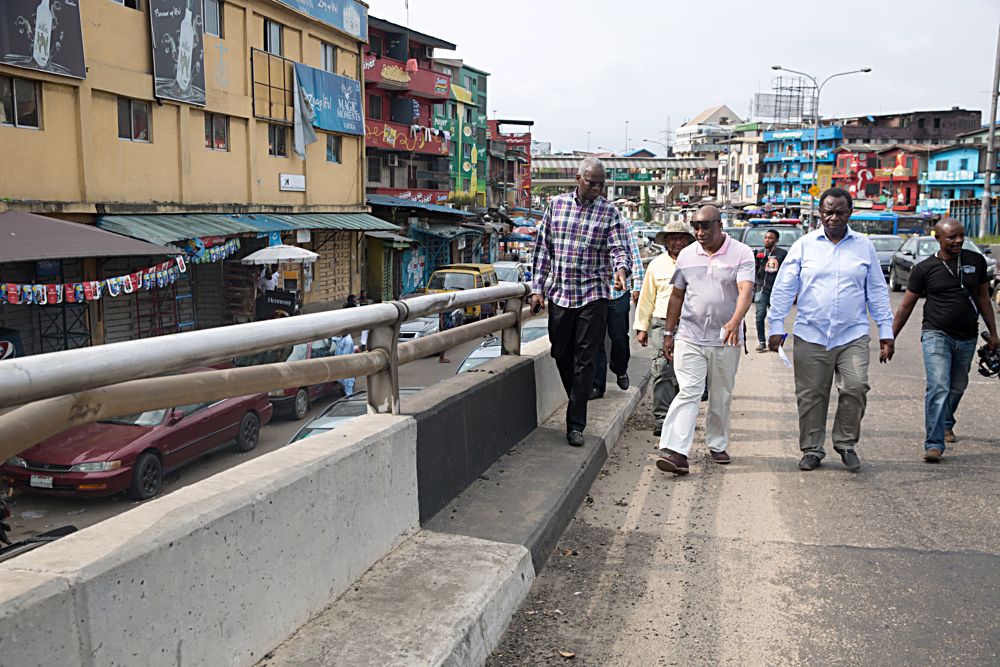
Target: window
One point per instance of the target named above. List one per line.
(937, 123)
(131, 4)
(19, 102)
(213, 17)
(374, 169)
(467, 151)
(963, 164)
(277, 140)
(470, 84)
(329, 56)
(333, 146)
(921, 123)
(468, 115)
(216, 132)
(273, 37)
(375, 107)
(439, 109)
(375, 45)
(940, 165)
(133, 120)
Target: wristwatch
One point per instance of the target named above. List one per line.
(668, 333)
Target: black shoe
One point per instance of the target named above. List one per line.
(595, 393)
(623, 381)
(575, 438)
(851, 460)
(809, 461)
(704, 396)
(658, 429)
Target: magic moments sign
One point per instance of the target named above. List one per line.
(344, 15)
(43, 35)
(336, 100)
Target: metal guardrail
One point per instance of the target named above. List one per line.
(63, 389)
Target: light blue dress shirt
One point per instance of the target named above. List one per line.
(837, 286)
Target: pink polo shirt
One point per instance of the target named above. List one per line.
(710, 288)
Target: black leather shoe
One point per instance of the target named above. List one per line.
(809, 461)
(595, 393)
(658, 429)
(851, 460)
(704, 396)
(623, 381)
(575, 438)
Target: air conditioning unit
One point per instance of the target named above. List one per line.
(392, 160)
(429, 52)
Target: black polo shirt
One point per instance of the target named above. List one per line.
(948, 307)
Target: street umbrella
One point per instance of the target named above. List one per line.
(527, 231)
(516, 238)
(276, 254)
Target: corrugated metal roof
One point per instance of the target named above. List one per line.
(396, 202)
(447, 231)
(357, 222)
(29, 237)
(389, 237)
(545, 162)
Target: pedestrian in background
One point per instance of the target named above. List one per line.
(619, 307)
(835, 274)
(769, 260)
(581, 241)
(344, 345)
(955, 286)
(712, 292)
(651, 313)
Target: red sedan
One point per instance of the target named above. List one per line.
(132, 453)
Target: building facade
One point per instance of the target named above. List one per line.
(510, 176)
(464, 116)
(954, 172)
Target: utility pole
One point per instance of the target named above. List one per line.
(984, 212)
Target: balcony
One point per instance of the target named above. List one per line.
(890, 173)
(391, 74)
(933, 206)
(958, 176)
(791, 157)
(398, 137)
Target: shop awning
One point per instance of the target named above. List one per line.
(167, 228)
(26, 237)
(392, 240)
(355, 222)
(396, 202)
(447, 231)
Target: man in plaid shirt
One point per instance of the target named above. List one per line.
(581, 240)
(618, 311)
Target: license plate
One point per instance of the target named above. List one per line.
(41, 481)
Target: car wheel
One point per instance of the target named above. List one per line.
(893, 283)
(301, 405)
(147, 477)
(249, 434)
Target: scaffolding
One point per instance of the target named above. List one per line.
(792, 101)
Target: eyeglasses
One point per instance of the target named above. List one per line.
(593, 184)
(707, 224)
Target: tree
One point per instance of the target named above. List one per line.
(647, 213)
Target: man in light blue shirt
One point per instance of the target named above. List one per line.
(835, 274)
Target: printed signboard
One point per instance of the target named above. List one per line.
(178, 50)
(336, 100)
(344, 15)
(44, 35)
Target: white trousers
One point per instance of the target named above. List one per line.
(692, 365)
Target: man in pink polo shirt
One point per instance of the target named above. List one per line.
(713, 288)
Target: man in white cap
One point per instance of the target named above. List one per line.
(651, 313)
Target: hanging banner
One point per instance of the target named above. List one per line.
(336, 100)
(43, 35)
(344, 15)
(178, 50)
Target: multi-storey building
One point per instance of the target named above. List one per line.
(788, 164)
(408, 154)
(703, 136)
(953, 172)
(464, 116)
(741, 166)
(510, 164)
(173, 122)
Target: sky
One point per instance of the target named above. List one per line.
(587, 66)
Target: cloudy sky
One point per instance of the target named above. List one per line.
(581, 66)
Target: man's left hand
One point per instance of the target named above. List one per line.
(635, 297)
(887, 347)
(621, 280)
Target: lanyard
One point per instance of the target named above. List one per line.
(961, 284)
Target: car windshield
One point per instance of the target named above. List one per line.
(786, 236)
(887, 244)
(298, 352)
(529, 334)
(507, 273)
(148, 418)
(971, 245)
(927, 247)
(473, 362)
(306, 432)
(451, 281)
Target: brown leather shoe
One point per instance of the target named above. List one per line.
(949, 436)
(720, 457)
(672, 462)
(932, 455)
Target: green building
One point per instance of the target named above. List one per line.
(463, 116)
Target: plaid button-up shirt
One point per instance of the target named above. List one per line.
(638, 271)
(580, 245)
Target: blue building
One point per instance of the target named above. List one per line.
(787, 172)
(952, 173)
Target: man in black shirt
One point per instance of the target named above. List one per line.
(954, 283)
(768, 260)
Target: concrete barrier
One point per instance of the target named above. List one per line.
(219, 572)
(549, 392)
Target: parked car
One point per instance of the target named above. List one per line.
(918, 248)
(341, 411)
(455, 277)
(132, 453)
(490, 349)
(788, 234)
(510, 272)
(886, 246)
(295, 401)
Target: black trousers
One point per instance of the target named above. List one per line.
(618, 312)
(575, 335)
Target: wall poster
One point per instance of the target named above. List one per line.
(44, 35)
(178, 31)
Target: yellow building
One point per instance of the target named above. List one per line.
(118, 150)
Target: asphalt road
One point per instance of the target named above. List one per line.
(758, 563)
(35, 513)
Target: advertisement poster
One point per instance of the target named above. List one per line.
(335, 99)
(44, 35)
(414, 267)
(344, 15)
(178, 50)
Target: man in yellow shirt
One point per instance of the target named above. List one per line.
(651, 312)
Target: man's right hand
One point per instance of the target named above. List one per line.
(642, 337)
(668, 348)
(774, 342)
(536, 302)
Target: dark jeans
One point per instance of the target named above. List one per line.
(618, 312)
(763, 303)
(575, 334)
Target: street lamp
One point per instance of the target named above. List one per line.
(819, 90)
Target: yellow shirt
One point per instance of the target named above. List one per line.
(655, 293)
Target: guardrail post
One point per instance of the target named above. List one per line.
(510, 338)
(383, 386)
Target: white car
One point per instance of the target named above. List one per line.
(510, 272)
(490, 349)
